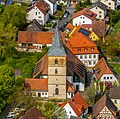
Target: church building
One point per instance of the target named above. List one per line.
(58, 74)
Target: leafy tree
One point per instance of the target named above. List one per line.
(114, 16)
(90, 94)
(6, 84)
(53, 111)
(15, 15)
(1, 8)
(77, 8)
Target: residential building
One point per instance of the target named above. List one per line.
(88, 26)
(111, 4)
(76, 106)
(39, 11)
(35, 26)
(63, 72)
(33, 41)
(84, 48)
(114, 95)
(103, 73)
(84, 16)
(99, 28)
(33, 113)
(52, 5)
(104, 108)
(100, 9)
(80, 29)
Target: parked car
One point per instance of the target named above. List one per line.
(66, 14)
(63, 26)
(16, 109)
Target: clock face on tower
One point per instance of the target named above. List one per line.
(61, 61)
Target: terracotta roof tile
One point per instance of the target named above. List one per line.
(33, 113)
(69, 26)
(78, 104)
(41, 5)
(35, 37)
(101, 68)
(36, 84)
(101, 103)
(70, 87)
(86, 12)
(81, 42)
(87, 25)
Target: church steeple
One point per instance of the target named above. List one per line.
(57, 48)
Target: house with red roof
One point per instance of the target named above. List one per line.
(84, 48)
(33, 41)
(39, 11)
(104, 73)
(84, 16)
(76, 106)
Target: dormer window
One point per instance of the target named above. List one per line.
(56, 61)
(92, 49)
(79, 50)
(85, 49)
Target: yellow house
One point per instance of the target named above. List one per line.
(93, 36)
(84, 31)
(115, 96)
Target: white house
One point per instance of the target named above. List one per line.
(103, 73)
(39, 11)
(111, 4)
(84, 48)
(84, 16)
(100, 9)
(53, 5)
(76, 106)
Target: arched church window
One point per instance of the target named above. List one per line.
(56, 91)
(56, 61)
(56, 71)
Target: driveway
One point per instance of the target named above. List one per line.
(71, 10)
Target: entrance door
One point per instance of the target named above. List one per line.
(77, 87)
(39, 94)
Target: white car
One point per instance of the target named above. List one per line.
(16, 109)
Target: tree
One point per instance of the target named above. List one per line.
(114, 16)
(7, 80)
(15, 15)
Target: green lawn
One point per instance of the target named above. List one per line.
(116, 67)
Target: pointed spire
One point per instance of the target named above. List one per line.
(57, 48)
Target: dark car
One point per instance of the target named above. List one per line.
(63, 26)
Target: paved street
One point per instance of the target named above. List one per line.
(71, 10)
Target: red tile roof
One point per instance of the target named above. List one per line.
(41, 5)
(78, 104)
(101, 68)
(69, 26)
(79, 41)
(70, 87)
(33, 113)
(35, 37)
(36, 84)
(86, 12)
(77, 30)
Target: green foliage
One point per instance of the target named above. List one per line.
(114, 16)
(90, 94)
(116, 67)
(15, 15)
(1, 8)
(7, 81)
(77, 8)
(117, 25)
(53, 111)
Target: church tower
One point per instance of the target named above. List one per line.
(57, 68)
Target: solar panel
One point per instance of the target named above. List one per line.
(84, 31)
